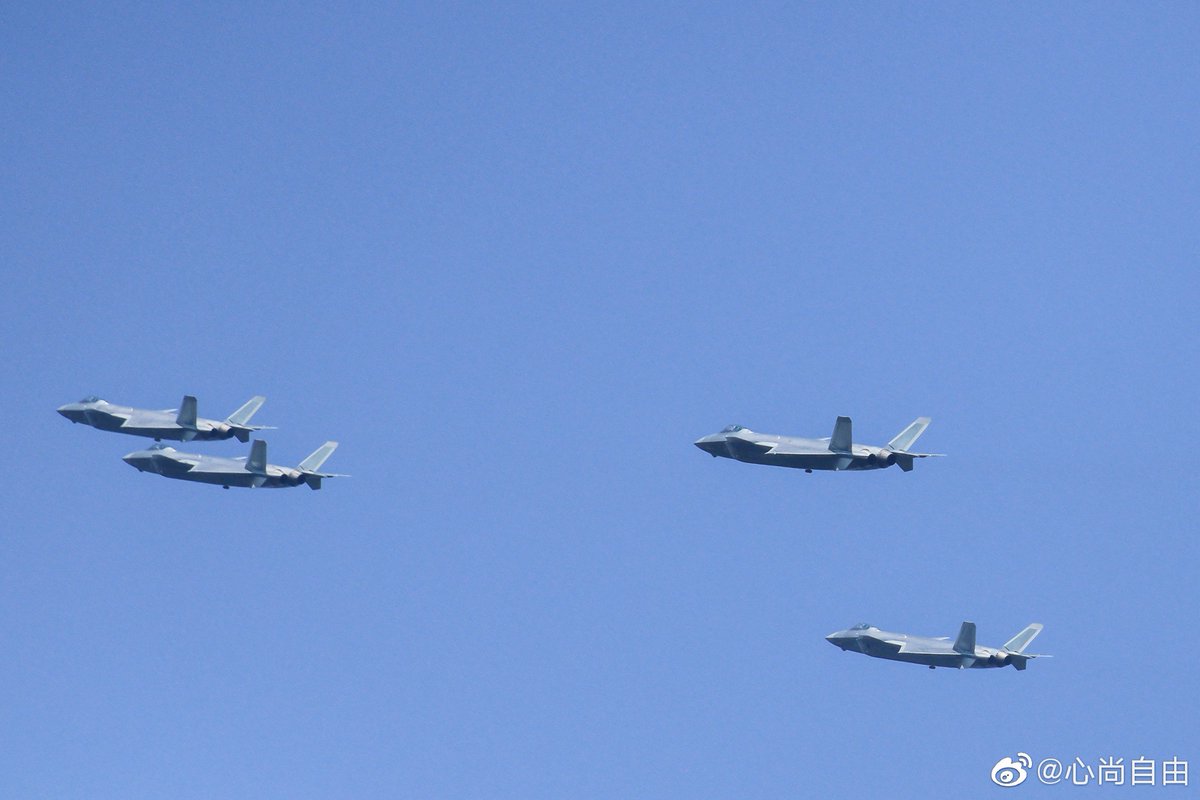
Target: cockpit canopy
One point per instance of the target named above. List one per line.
(862, 626)
(159, 446)
(732, 429)
(91, 398)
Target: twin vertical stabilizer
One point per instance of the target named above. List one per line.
(257, 462)
(187, 413)
(965, 643)
(1018, 643)
(908, 437)
(841, 440)
(243, 414)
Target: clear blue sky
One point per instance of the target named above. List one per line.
(516, 261)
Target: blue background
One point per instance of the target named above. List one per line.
(516, 261)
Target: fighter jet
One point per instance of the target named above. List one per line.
(253, 472)
(180, 424)
(837, 452)
(959, 654)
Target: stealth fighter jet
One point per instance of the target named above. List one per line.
(180, 424)
(959, 654)
(837, 452)
(253, 472)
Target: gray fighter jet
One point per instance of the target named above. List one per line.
(180, 424)
(253, 472)
(837, 452)
(959, 654)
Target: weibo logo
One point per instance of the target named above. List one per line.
(1012, 772)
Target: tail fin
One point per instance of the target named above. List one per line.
(314, 461)
(1018, 643)
(187, 412)
(907, 437)
(257, 462)
(965, 643)
(841, 435)
(243, 414)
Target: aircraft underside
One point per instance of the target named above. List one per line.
(830, 461)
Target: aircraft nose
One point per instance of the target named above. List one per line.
(838, 639)
(139, 460)
(713, 444)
